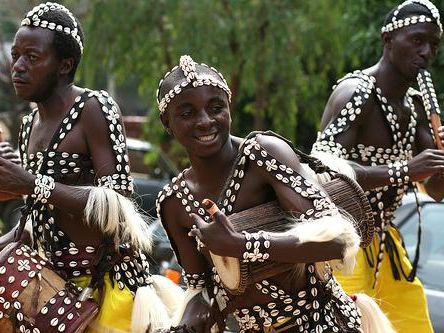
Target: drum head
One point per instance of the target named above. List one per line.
(229, 270)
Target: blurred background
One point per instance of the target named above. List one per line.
(279, 57)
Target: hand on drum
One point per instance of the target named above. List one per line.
(219, 235)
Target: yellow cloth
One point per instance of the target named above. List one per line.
(115, 312)
(403, 302)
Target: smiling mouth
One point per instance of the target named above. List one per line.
(206, 138)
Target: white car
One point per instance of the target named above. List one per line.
(431, 260)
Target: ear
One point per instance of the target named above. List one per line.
(66, 66)
(165, 122)
(387, 38)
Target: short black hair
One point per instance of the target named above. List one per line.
(411, 9)
(65, 45)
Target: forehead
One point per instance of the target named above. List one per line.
(33, 37)
(426, 29)
(199, 95)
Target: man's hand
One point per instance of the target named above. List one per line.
(7, 152)
(14, 179)
(441, 134)
(427, 163)
(219, 235)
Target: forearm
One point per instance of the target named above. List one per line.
(370, 177)
(71, 199)
(324, 239)
(289, 249)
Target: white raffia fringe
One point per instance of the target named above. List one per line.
(117, 216)
(149, 312)
(326, 229)
(155, 305)
(373, 320)
(189, 294)
(335, 163)
(170, 293)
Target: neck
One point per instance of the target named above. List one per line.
(59, 100)
(212, 171)
(394, 85)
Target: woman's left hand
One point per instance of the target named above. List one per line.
(219, 235)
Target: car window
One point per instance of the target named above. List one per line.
(431, 264)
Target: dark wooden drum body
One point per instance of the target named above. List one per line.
(34, 298)
(343, 191)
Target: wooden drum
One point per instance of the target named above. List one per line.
(34, 298)
(343, 191)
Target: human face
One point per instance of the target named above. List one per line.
(413, 48)
(34, 66)
(199, 118)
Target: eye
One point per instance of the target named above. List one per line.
(32, 58)
(417, 40)
(217, 107)
(14, 56)
(186, 113)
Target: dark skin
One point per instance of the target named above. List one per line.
(39, 75)
(406, 51)
(7, 152)
(199, 118)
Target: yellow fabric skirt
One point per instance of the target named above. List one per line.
(116, 309)
(403, 302)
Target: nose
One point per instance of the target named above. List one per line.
(204, 119)
(427, 52)
(18, 66)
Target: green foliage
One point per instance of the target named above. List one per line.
(280, 57)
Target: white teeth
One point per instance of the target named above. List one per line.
(207, 137)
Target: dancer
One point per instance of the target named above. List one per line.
(238, 174)
(75, 174)
(380, 125)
